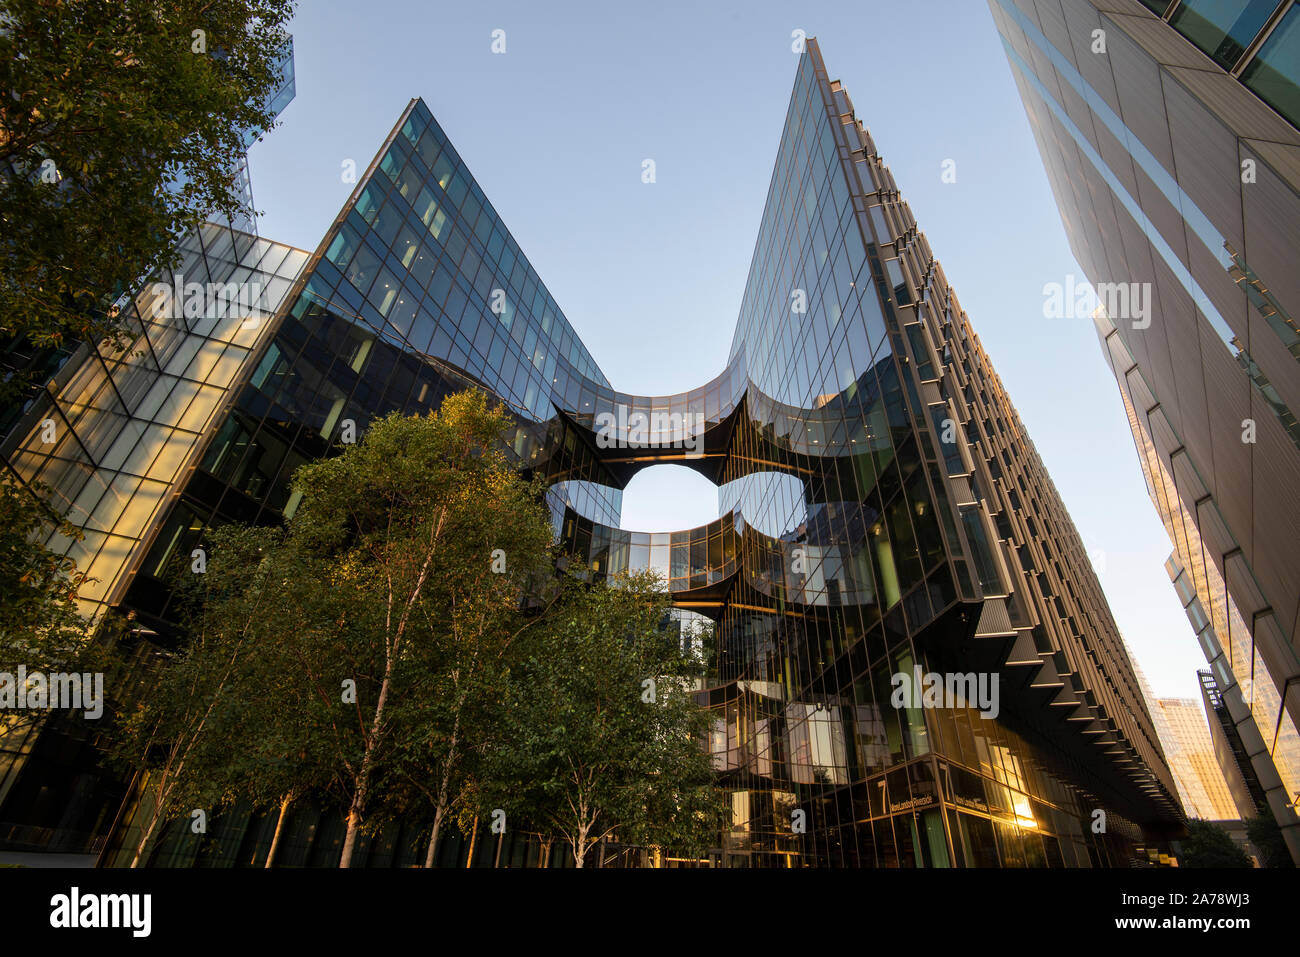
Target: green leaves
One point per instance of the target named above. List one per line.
(113, 97)
(582, 754)
(40, 625)
(1209, 845)
(384, 578)
(419, 568)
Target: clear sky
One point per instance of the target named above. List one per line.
(650, 276)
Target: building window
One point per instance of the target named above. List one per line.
(1222, 28)
(1274, 73)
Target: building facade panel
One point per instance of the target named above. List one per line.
(1193, 212)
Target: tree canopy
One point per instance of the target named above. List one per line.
(123, 124)
(353, 653)
(600, 734)
(41, 627)
(1208, 845)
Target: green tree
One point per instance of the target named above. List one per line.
(353, 652)
(1267, 838)
(177, 733)
(271, 731)
(40, 624)
(1208, 845)
(122, 125)
(41, 627)
(471, 646)
(602, 736)
(406, 526)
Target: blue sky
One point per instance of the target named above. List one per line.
(650, 276)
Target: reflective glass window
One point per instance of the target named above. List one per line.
(1222, 28)
(1274, 73)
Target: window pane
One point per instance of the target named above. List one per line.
(1222, 28)
(1274, 74)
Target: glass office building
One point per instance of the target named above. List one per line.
(883, 517)
(1181, 723)
(1169, 134)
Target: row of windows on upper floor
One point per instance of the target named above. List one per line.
(260, 379)
(807, 154)
(288, 413)
(1040, 506)
(811, 290)
(799, 179)
(1247, 39)
(835, 198)
(451, 290)
(797, 192)
(323, 368)
(1046, 546)
(433, 152)
(809, 307)
(478, 344)
(310, 378)
(401, 217)
(800, 112)
(420, 333)
(865, 555)
(807, 227)
(580, 395)
(423, 155)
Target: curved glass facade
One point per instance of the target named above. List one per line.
(883, 515)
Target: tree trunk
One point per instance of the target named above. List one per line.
(144, 838)
(473, 839)
(580, 847)
(354, 828)
(432, 853)
(392, 652)
(279, 830)
(367, 764)
(154, 818)
(440, 810)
